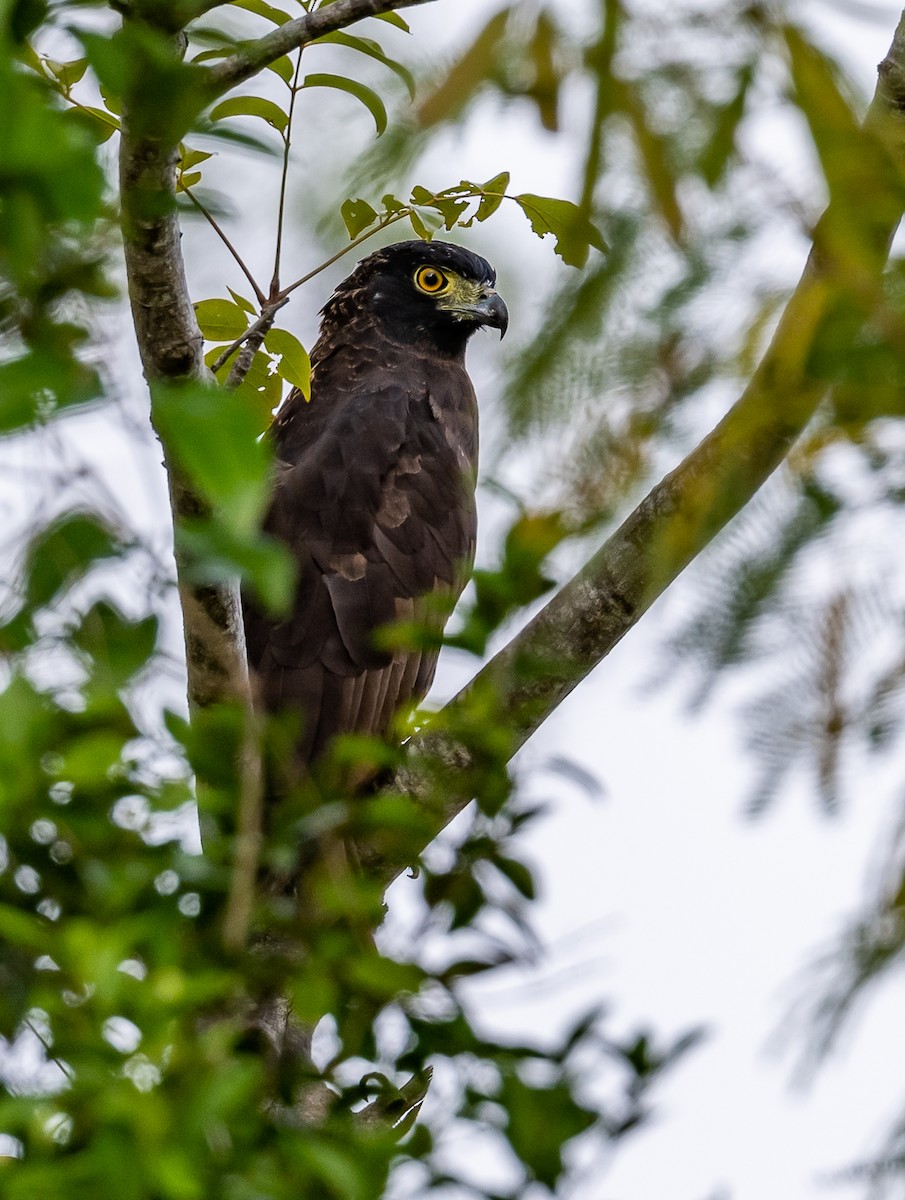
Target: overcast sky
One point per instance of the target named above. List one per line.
(659, 898)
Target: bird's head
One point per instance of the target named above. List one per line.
(430, 293)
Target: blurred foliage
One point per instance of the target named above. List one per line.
(156, 1059)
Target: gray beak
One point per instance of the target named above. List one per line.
(491, 310)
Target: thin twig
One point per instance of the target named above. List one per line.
(286, 291)
(259, 295)
(287, 140)
(251, 336)
(67, 1071)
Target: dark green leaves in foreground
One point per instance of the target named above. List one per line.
(213, 437)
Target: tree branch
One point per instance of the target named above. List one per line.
(254, 56)
(170, 345)
(680, 516)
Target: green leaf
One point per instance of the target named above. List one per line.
(41, 383)
(518, 875)
(67, 73)
(215, 551)
(492, 195)
(117, 644)
(284, 67)
(213, 434)
(107, 125)
(424, 221)
(573, 231)
(655, 155)
(368, 98)
(373, 50)
(252, 106)
(295, 365)
(221, 320)
(260, 8)
(392, 18)
(540, 1121)
(245, 305)
(62, 554)
(191, 157)
(357, 215)
(467, 76)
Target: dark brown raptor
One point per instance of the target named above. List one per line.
(374, 489)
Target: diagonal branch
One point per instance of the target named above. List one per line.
(254, 56)
(531, 676)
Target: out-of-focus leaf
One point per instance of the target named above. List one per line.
(213, 435)
(658, 172)
(574, 233)
(720, 145)
(366, 95)
(67, 73)
(540, 1122)
(863, 180)
(373, 50)
(118, 645)
(215, 551)
(466, 77)
(63, 552)
(252, 106)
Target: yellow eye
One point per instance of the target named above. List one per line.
(430, 280)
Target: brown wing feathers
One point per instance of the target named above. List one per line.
(374, 495)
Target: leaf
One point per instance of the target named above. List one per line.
(63, 553)
(260, 8)
(466, 77)
(213, 434)
(188, 180)
(658, 172)
(424, 222)
(357, 215)
(518, 875)
(392, 18)
(493, 193)
(245, 305)
(864, 181)
(373, 50)
(67, 73)
(221, 320)
(191, 158)
(284, 67)
(107, 125)
(573, 231)
(295, 365)
(117, 644)
(252, 106)
(368, 98)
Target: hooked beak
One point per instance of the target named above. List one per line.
(491, 310)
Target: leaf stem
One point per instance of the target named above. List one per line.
(384, 224)
(287, 140)
(259, 295)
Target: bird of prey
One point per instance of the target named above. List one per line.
(373, 491)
